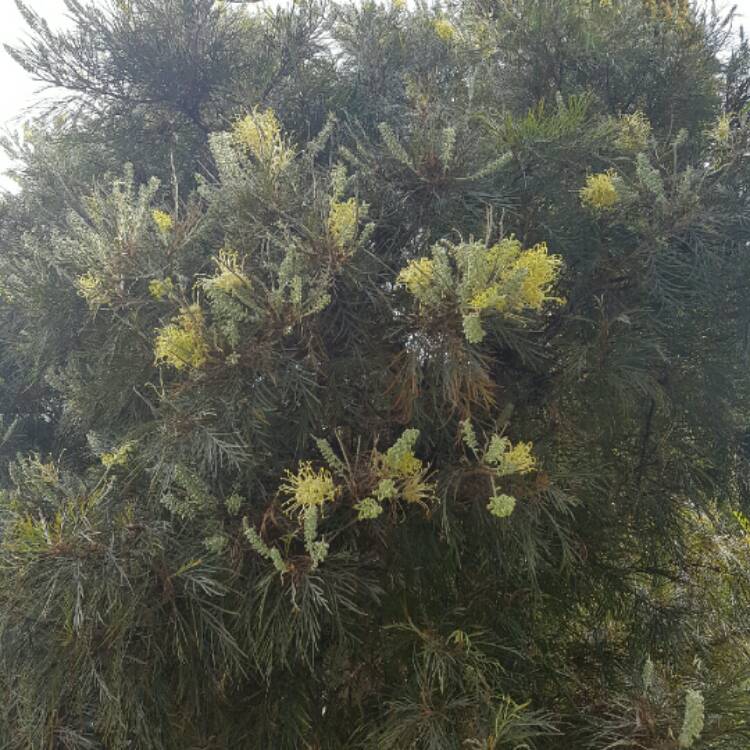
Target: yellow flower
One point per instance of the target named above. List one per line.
(159, 288)
(600, 192)
(416, 490)
(308, 488)
(408, 465)
(491, 297)
(722, 129)
(231, 277)
(540, 273)
(501, 506)
(91, 288)
(518, 460)
(670, 10)
(258, 129)
(400, 456)
(634, 132)
(182, 343)
(510, 459)
(343, 219)
(498, 447)
(260, 133)
(417, 277)
(444, 29)
(368, 509)
(117, 457)
(162, 220)
(504, 279)
(523, 277)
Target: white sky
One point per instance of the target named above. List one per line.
(18, 91)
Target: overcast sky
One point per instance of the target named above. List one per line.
(18, 91)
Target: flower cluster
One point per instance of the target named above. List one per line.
(503, 459)
(369, 509)
(92, 289)
(343, 222)
(633, 132)
(160, 288)
(182, 343)
(501, 506)
(400, 456)
(230, 277)
(509, 459)
(418, 276)
(722, 130)
(259, 133)
(307, 491)
(600, 192)
(162, 220)
(215, 543)
(308, 488)
(676, 11)
(117, 457)
(444, 29)
(316, 548)
(503, 279)
(188, 494)
(396, 475)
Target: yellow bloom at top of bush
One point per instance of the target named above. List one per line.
(160, 288)
(417, 277)
(91, 288)
(119, 456)
(260, 134)
(675, 11)
(537, 271)
(504, 278)
(255, 131)
(516, 459)
(308, 488)
(182, 343)
(444, 29)
(343, 221)
(600, 192)
(504, 459)
(162, 220)
(722, 129)
(400, 456)
(501, 505)
(634, 132)
(230, 277)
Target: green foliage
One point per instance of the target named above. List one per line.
(376, 376)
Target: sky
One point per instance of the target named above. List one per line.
(18, 91)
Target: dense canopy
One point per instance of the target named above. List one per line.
(376, 376)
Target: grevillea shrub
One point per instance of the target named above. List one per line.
(376, 376)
